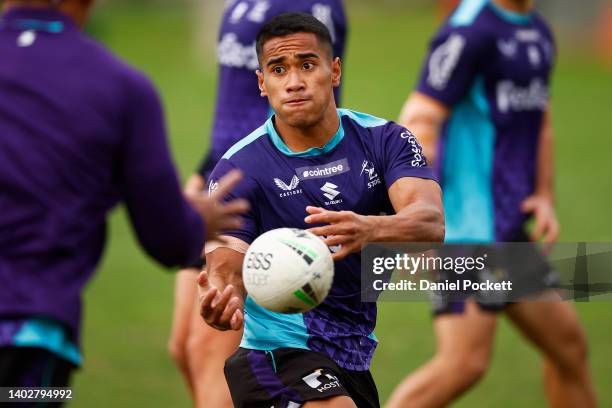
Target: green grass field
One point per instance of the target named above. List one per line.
(128, 304)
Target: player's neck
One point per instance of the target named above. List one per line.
(517, 6)
(301, 139)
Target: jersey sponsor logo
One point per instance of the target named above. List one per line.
(238, 12)
(329, 191)
(508, 48)
(511, 97)
(257, 14)
(321, 381)
(528, 35)
(289, 189)
(443, 61)
(418, 160)
(533, 53)
(367, 168)
(324, 170)
(323, 13)
(26, 39)
(295, 181)
(232, 53)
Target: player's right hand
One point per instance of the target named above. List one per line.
(222, 310)
(217, 214)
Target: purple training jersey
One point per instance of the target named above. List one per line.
(352, 172)
(492, 68)
(239, 107)
(79, 131)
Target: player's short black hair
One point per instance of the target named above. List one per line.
(292, 23)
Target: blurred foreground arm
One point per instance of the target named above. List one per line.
(168, 228)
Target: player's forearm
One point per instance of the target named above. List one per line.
(224, 268)
(418, 222)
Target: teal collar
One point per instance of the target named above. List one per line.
(313, 151)
(511, 16)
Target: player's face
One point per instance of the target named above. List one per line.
(298, 76)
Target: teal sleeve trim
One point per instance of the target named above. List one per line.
(256, 134)
(466, 13)
(363, 119)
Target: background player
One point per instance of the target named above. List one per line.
(482, 112)
(79, 131)
(199, 351)
(281, 356)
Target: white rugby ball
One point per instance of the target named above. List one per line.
(288, 270)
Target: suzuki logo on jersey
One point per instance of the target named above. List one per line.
(328, 190)
(443, 61)
(516, 98)
(324, 170)
(367, 168)
(317, 378)
(289, 189)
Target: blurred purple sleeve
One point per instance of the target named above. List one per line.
(454, 60)
(166, 225)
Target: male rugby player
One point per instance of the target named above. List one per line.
(198, 350)
(482, 112)
(320, 358)
(79, 132)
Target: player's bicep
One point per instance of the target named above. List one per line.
(407, 191)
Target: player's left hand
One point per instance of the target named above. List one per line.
(546, 225)
(220, 308)
(345, 228)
